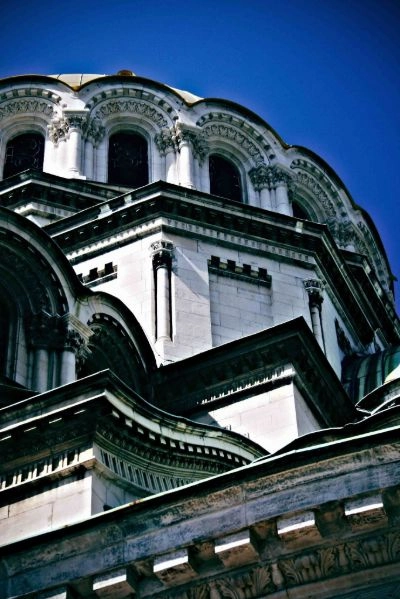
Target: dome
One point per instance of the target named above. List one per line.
(78, 80)
(364, 374)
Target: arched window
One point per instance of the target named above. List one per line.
(23, 152)
(299, 212)
(128, 162)
(224, 178)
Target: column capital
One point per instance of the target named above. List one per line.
(76, 119)
(165, 141)
(186, 134)
(161, 252)
(93, 130)
(58, 129)
(314, 288)
(267, 176)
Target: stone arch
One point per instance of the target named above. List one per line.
(238, 142)
(126, 112)
(18, 126)
(113, 345)
(38, 289)
(35, 304)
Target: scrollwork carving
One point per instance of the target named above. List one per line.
(132, 106)
(25, 106)
(309, 182)
(220, 130)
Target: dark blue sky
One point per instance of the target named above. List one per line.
(323, 73)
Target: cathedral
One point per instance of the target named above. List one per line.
(199, 355)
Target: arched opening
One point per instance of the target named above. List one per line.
(224, 178)
(111, 348)
(23, 152)
(299, 212)
(128, 162)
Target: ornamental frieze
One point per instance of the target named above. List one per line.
(132, 106)
(25, 106)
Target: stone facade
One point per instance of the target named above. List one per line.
(186, 362)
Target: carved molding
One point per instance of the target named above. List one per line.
(224, 131)
(22, 106)
(110, 107)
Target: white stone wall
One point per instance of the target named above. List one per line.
(70, 501)
(273, 418)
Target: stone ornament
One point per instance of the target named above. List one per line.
(131, 106)
(268, 177)
(314, 288)
(22, 106)
(58, 130)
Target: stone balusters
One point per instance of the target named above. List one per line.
(162, 266)
(315, 288)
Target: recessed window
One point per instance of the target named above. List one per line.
(128, 160)
(23, 152)
(224, 178)
(299, 212)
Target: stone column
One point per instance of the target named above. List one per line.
(41, 331)
(89, 159)
(162, 264)
(76, 123)
(314, 288)
(72, 344)
(165, 142)
(93, 133)
(58, 131)
(184, 140)
(261, 180)
(281, 181)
